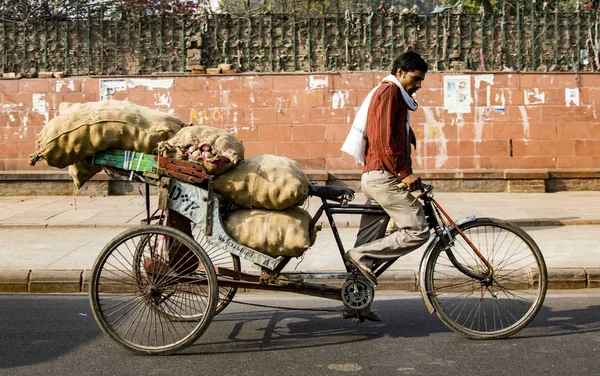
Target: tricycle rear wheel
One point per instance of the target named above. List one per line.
(153, 290)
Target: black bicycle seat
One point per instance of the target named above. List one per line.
(331, 192)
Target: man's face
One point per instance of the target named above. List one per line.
(410, 81)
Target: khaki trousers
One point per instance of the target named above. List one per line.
(382, 187)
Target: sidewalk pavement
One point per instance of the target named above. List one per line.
(49, 243)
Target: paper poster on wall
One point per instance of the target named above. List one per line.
(572, 96)
(457, 94)
(108, 87)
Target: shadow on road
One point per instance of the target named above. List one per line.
(51, 329)
(563, 322)
(250, 330)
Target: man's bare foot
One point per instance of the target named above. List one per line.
(362, 268)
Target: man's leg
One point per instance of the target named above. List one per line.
(372, 227)
(382, 187)
(413, 231)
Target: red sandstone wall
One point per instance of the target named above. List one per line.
(520, 121)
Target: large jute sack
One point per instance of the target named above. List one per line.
(82, 130)
(83, 171)
(215, 149)
(275, 233)
(264, 182)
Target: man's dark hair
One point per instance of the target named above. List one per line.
(409, 61)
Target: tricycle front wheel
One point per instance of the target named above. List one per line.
(495, 307)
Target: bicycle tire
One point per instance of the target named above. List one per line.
(500, 307)
(149, 302)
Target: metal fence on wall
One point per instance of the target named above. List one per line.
(95, 46)
(145, 44)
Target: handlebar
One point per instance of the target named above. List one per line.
(425, 189)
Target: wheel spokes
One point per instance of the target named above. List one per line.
(495, 305)
(147, 290)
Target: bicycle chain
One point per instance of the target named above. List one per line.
(287, 308)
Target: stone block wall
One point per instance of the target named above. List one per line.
(505, 121)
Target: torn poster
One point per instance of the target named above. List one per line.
(572, 96)
(108, 87)
(457, 94)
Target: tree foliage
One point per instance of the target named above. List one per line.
(26, 10)
(495, 6)
(319, 7)
(315, 7)
(36, 10)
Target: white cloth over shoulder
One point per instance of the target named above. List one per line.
(356, 141)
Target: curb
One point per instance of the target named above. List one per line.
(48, 281)
(325, 224)
(554, 222)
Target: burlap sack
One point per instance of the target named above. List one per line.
(83, 171)
(215, 149)
(264, 182)
(275, 233)
(82, 130)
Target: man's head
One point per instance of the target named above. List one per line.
(410, 69)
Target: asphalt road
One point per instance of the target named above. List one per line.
(57, 335)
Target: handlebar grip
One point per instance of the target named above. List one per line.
(425, 187)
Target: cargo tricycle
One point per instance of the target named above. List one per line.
(155, 288)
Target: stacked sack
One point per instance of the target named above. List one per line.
(85, 129)
(215, 149)
(82, 130)
(269, 188)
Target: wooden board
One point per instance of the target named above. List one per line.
(127, 160)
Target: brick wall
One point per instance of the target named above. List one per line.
(515, 121)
